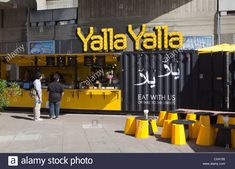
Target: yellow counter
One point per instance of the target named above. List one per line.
(76, 99)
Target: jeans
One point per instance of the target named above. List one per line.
(36, 110)
(54, 109)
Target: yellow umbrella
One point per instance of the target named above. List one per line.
(218, 48)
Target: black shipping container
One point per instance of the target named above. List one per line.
(171, 79)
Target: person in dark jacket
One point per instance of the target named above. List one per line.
(56, 91)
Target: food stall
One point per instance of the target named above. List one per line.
(91, 81)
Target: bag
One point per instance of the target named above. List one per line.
(32, 93)
(47, 105)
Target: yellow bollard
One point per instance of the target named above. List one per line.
(233, 138)
(166, 130)
(172, 116)
(161, 118)
(153, 124)
(130, 126)
(206, 136)
(231, 121)
(220, 119)
(142, 129)
(205, 120)
(178, 134)
(191, 116)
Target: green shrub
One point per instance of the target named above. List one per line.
(7, 91)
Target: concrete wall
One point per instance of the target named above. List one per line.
(191, 17)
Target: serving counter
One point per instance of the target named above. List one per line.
(76, 99)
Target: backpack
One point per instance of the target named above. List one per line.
(32, 92)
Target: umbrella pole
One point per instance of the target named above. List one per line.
(227, 99)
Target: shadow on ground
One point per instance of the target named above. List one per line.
(21, 117)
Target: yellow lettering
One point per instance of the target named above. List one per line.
(120, 42)
(110, 30)
(137, 37)
(176, 40)
(165, 32)
(97, 43)
(105, 32)
(159, 36)
(85, 40)
(150, 41)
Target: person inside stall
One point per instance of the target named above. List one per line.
(61, 77)
(27, 76)
(109, 76)
(116, 82)
(26, 80)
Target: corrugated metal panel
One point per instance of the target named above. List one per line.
(41, 33)
(14, 17)
(65, 14)
(151, 82)
(65, 32)
(40, 16)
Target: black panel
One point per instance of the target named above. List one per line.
(100, 60)
(50, 60)
(88, 60)
(151, 81)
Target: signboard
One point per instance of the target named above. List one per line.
(108, 40)
(41, 47)
(226, 5)
(197, 42)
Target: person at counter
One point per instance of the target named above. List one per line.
(55, 91)
(38, 99)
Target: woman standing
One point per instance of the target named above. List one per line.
(56, 90)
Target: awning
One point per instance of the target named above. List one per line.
(218, 48)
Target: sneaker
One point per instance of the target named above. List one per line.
(38, 119)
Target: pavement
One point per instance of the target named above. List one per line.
(82, 133)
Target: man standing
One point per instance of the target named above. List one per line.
(38, 99)
(56, 90)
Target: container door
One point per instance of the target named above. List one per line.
(212, 76)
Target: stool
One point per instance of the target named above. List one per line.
(130, 126)
(194, 130)
(191, 116)
(205, 120)
(192, 127)
(161, 118)
(166, 130)
(142, 130)
(172, 116)
(220, 119)
(233, 138)
(153, 126)
(178, 134)
(231, 121)
(206, 136)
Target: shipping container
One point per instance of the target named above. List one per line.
(171, 79)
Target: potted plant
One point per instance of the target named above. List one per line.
(8, 90)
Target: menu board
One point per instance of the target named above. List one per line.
(72, 61)
(88, 60)
(100, 60)
(61, 61)
(50, 60)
